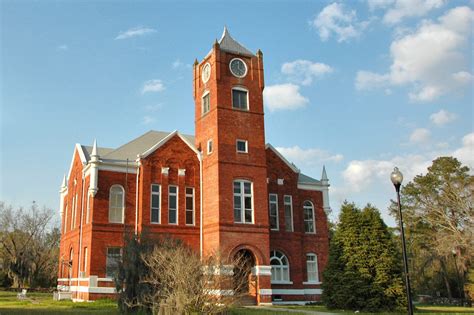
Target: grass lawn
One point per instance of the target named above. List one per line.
(43, 303)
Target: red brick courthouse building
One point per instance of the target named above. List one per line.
(222, 190)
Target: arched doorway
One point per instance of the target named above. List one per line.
(245, 283)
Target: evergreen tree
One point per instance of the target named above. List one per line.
(364, 269)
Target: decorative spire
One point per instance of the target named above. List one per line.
(324, 176)
(196, 62)
(94, 148)
(64, 184)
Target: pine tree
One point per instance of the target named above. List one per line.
(364, 270)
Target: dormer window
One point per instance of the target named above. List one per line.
(240, 98)
(206, 103)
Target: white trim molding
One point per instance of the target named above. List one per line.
(281, 181)
(262, 270)
(290, 291)
(182, 172)
(165, 170)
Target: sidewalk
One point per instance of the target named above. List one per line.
(288, 310)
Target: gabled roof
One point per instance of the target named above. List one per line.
(227, 43)
(305, 179)
(290, 165)
(141, 145)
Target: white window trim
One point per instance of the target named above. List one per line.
(73, 211)
(273, 253)
(123, 203)
(242, 200)
(237, 146)
(151, 203)
(186, 207)
(269, 209)
(210, 148)
(238, 88)
(177, 204)
(202, 102)
(291, 211)
(86, 253)
(314, 220)
(317, 269)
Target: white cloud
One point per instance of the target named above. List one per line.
(379, 4)
(430, 58)
(177, 64)
(283, 96)
(466, 153)
(366, 80)
(305, 71)
(135, 32)
(308, 158)
(420, 135)
(63, 47)
(153, 86)
(401, 9)
(336, 19)
(148, 120)
(360, 174)
(442, 117)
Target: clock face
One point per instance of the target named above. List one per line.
(206, 72)
(238, 67)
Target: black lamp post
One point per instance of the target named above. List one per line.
(397, 178)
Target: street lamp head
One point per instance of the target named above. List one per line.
(396, 177)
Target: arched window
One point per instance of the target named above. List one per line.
(70, 262)
(312, 267)
(116, 204)
(308, 215)
(280, 267)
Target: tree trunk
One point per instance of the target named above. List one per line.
(445, 278)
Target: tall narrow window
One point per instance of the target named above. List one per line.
(88, 209)
(206, 103)
(116, 204)
(273, 207)
(288, 213)
(312, 267)
(73, 210)
(86, 256)
(65, 218)
(209, 146)
(155, 203)
(280, 267)
(189, 206)
(173, 205)
(308, 214)
(243, 202)
(114, 254)
(71, 261)
(240, 99)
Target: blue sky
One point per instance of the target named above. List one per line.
(358, 86)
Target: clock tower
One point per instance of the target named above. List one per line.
(229, 118)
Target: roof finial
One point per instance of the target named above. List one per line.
(94, 148)
(64, 184)
(324, 176)
(196, 62)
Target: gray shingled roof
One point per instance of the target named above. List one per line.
(100, 150)
(305, 179)
(227, 43)
(146, 141)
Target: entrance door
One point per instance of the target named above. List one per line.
(245, 284)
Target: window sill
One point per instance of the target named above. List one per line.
(312, 282)
(281, 282)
